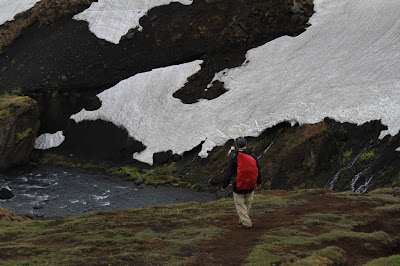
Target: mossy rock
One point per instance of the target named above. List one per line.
(18, 128)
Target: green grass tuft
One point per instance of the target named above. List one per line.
(328, 256)
(388, 261)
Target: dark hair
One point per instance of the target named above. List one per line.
(241, 142)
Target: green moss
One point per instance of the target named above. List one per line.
(9, 103)
(17, 91)
(165, 170)
(366, 156)
(134, 173)
(158, 179)
(23, 135)
(58, 160)
(127, 172)
(346, 157)
(158, 176)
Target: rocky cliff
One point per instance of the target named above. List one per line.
(19, 124)
(60, 63)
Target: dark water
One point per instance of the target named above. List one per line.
(52, 192)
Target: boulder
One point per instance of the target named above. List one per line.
(6, 194)
(19, 123)
(139, 181)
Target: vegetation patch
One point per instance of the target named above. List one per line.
(328, 256)
(389, 261)
(366, 156)
(329, 220)
(263, 204)
(346, 157)
(59, 160)
(193, 233)
(164, 175)
(23, 135)
(149, 236)
(388, 208)
(157, 176)
(10, 102)
(295, 243)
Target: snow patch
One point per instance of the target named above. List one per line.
(345, 66)
(112, 19)
(10, 8)
(48, 141)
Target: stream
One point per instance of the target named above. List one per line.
(48, 192)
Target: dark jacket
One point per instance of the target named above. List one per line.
(232, 172)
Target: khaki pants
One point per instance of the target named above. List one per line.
(243, 205)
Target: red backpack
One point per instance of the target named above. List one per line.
(247, 172)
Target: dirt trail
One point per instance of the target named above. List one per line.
(236, 244)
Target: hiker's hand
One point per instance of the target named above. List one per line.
(223, 189)
(258, 186)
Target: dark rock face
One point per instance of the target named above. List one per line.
(18, 127)
(311, 155)
(63, 54)
(62, 65)
(6, 194)
(117, 145)
(339, 156)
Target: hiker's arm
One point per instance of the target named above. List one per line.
(258, 186)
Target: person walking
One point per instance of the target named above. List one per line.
(245, 169)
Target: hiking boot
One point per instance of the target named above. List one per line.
(240, 225)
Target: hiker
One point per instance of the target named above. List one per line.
(246, 171)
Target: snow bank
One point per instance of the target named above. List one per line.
(345, 66)
(48, 141)
(10, 8)
(111, 19)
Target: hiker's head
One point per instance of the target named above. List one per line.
(241, 142)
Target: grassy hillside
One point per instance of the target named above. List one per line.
(306, 227)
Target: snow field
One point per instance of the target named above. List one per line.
(111, 19)
(345, 66)
(10, 8)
